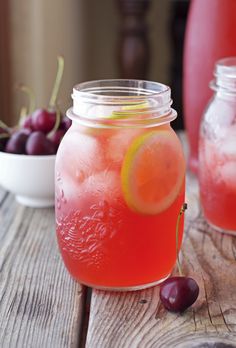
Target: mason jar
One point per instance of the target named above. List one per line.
(217, 150)
(120, 182)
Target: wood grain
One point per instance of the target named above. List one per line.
(40, 305)
(137, 319)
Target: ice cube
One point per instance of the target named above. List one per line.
(227, 146)
(100, 187)
(105, 185)
(80, 155)
(207, 152)
(68, 193)
(118, 144)
(228, 174)
(221, 114)
(103, 111)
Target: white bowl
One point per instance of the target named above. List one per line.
(29, 178)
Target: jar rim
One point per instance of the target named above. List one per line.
(225, 77)
(121, 103)
(124, 88)
(226, 66)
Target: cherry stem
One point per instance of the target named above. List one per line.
(182, 210)
(57, 123)
(57, 83)
(31, 97)
(23, 113)
(3, 125)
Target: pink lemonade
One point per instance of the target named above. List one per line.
(217, 176)
(210, 35)
(217, 150)
(118, 195)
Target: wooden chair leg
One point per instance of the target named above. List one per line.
(133, 45)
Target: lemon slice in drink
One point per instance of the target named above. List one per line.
(153, 172)
(135, 107)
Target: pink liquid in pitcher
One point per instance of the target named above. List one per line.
(210, 35)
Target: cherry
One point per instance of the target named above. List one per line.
(39, 132)
(27, 122)
(178, 293)
(43, 120)
(26, 131)
(56, 134)
(16, 143)
(65, 123)
(38, 144)
(56, 137)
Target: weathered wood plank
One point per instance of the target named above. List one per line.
(138, 319)
(40, 305)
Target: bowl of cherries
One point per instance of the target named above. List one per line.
(28, 150)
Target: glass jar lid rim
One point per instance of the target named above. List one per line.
(117, 89)
(226, 67)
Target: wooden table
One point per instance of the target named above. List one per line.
(41, 306)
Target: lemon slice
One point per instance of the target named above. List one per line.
(132, 107)
(136, 106)
(152, 172)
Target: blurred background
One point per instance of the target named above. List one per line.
(98, 39)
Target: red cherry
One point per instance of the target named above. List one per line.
(38, 144)
(65, 123)
(43, 120)
(27, 123)
(56, 137)
(26, 131)
(16, 143)
(178, 293)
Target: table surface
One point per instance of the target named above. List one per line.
(41, 306)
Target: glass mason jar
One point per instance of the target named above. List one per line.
(217, 150)
(120, 181)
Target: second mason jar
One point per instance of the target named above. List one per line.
(120, 184)
(217, 151)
